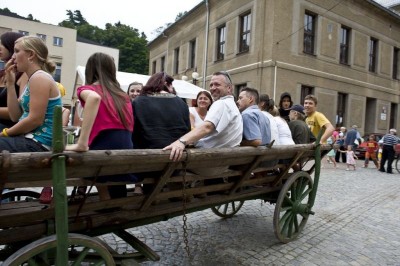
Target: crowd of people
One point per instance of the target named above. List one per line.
(152, 116)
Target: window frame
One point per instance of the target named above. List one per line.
(373, 55)
(245, 32)
(396, 62)
(309, 46)
(192, 53)
(58, 41)
(304, 91)
(42, 36)
(176, 60)
(344, 45)
(221, 42)
(341, 108)
(162, 64)
(57, 72)
(153, 66)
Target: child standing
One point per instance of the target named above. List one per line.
(372, 147)
(350, 158)
(332, 153)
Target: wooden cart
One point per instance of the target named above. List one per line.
(37, 234)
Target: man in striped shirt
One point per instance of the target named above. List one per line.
(389, 141)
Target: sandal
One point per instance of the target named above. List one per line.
(78, 195)
(46, 195)
(138, 191)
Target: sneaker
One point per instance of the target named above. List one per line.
(46, 195)
(347, 169)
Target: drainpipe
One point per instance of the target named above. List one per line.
(206, 46)
(275, 74)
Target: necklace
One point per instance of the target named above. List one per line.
(34, 72)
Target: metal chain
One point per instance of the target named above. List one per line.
(184, 218)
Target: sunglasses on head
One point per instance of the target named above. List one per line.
(224, 73)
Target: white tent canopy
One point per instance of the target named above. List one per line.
(183, 88)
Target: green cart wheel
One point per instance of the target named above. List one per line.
(82, 250)
(293, 206)
(227, 210)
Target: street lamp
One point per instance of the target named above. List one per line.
(195, 76)
(185, 78)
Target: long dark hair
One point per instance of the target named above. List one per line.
(101, 68)
(8, 40)
(157, 83)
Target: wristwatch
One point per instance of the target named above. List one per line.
(184, 142)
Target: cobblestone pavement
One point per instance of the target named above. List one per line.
(356, 222)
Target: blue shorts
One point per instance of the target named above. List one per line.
(20, 144)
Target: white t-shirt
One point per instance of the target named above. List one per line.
(274, 128)
(197, 119)
(285, 135)
(228, 123)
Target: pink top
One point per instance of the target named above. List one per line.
(107, 117)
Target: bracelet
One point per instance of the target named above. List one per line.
(5, 132)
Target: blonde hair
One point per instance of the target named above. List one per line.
(274, 111)
(39, 48)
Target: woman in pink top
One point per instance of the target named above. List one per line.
(107, 117)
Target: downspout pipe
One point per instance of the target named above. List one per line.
(206, 45)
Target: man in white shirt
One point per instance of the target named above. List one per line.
(222, 127)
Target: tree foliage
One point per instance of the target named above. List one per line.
(132, 45)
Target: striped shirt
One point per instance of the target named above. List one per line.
(390, 140)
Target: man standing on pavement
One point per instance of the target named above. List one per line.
(316, 120)
(222, 127)
(389, 142)
(351, 136)
(256, 126)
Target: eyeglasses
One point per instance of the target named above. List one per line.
(224, 73)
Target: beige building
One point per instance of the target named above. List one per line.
(344, 52)
(64, 49)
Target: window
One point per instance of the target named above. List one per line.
(309, 33)
(344, 45)
(221, 31)
(25, 33)
(58, 41)
(305, 90)
(192, 54)
(341, 109)
(57, 73)
(396, 62)
(245, 29)
(42, 36)
(176, 60)
(373, 49)
(163, 63)
(153, 68)
(238, 87)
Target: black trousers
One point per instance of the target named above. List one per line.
(338, 154)
(387, 155)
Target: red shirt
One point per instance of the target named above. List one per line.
(372, 146)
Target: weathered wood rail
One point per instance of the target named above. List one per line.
(26, 221)
(243, 179)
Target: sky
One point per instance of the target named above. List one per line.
(146, 16)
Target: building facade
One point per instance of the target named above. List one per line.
(64, 49)
(344, 52)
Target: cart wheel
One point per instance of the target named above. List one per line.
(398, 163)
(227, 210)
(82, 249)
(18, 195)
(293, 206)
